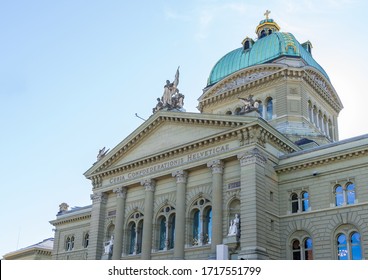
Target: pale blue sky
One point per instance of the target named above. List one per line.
(74, 73)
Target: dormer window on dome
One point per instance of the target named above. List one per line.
(247, 43)
(266, 27)
(308, 46)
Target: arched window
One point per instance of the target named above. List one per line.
(269, 109)
(166, 225)
(86, 240)
(356, 248)
(294, 203)
(201, 216)
(339, 195)
(305, 201)
(330, 131)
(310, 111)
(350, 193)
(315, 114)
(135, 231)
(260, 109)
(67, 244)
(345, 195)
(229, 113)
(302, 250)
(237, 111)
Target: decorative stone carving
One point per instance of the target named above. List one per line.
(216, 165)
(181, 176)
(171, 99)
(99, 197)
(102, 153)
(234, 228)
(63, 207)
(249, 105)
(121, 192)
(149, 184)
(251, 157)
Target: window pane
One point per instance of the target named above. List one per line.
(296, 250)
(196, 228)
(356, 250)
(172, 231)
(269, 109)
(162, 234)
(207, 231)
(260, 109)
(339, 196)
(308, 254)
(132, 238)
(342, 249)
(305, 201)
(294, 203)
(350, 191)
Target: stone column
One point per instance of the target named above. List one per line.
(149, 186)
(253, 236)
(96, 234)
(179, 242)
(217, 167)
(121, 194)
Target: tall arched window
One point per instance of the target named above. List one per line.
(315, 116)
(201, 216)
(166, 225)
(86, 240)
(350, 193)
(349, 248)
(269, 109)
(305, 201)
(302, 250)
(345, 195)
(260, 109)
(294, 203)
(135, 231)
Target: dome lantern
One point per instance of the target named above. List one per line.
(266, 26)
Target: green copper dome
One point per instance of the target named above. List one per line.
(264, 50)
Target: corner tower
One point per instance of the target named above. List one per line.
(292, 91)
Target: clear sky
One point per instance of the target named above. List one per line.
(73, 74)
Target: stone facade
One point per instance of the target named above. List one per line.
(171, 189)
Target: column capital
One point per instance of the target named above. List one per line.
(181, 176)
(149, 184)
(121, 192)
(99, 197)
(252, 156)
(216, 165)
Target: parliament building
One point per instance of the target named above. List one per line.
(258, 173)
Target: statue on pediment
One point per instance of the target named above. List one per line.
(102, 153)
(171, 99)
(249, 104)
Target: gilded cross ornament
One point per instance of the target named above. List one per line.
(267, 13)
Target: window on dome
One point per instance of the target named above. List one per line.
(263, 34)
(269, 32)
(269, 109)
(246, 45)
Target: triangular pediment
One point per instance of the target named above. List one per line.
(164, 132)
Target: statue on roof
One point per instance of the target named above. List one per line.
(249, 104)
(102, 153)
(171, 98)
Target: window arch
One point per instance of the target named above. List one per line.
(302, 248)
(269, 109)
(299, 201)
(201, 222)
(345, 195)
(86, 240)
(135, 233)
(349, 246)
(166, 228)
(69, 243)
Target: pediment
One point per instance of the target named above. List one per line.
(163, 132)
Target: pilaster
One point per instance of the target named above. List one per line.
(149, 186)
(217, 168)
(181, 182)
(96, 235)
(253, 237)
(121, 194)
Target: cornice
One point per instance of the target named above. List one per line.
(319, 160)
(163, 117)
(249, 133)
(70, 219)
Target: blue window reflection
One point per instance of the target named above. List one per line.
(269, 109)
(350, 192)
(305, 200)
(356, 250)
(339, 196)
(342, 248)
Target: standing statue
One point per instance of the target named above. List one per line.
(109, 246)
(249, 104)
(234, 228)
(170, 89)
